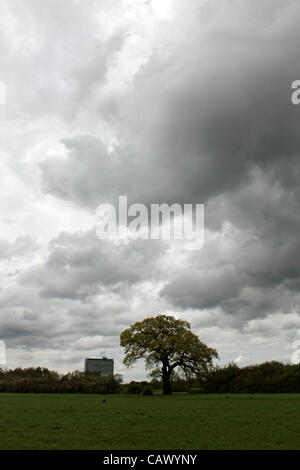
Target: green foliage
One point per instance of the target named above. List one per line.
(133, 388)
(30, 372)
(167, 343)
(38, 380)
(138, 388)
(269, 377)
(147, 391)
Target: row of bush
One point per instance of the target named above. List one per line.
(41, 380)
(137, 388)
(269, 377)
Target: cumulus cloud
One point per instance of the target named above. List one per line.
(79, 265)
(162, 104)
(204, 289)
(194, 124)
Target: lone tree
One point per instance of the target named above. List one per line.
(167, 343)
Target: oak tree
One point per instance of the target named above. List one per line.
(167, 343)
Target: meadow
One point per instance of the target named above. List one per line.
(180, 421)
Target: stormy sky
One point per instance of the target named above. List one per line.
(165, 101)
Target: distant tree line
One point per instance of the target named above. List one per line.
(269, 377)
(43, 380)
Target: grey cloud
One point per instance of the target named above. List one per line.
(205, 289)
(80, 265)
(206, 118)
(89, 172)
(58, 59)
(194, 125)
(259, 244)
(21, 246)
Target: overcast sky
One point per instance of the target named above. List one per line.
(164, 101)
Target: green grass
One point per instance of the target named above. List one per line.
(149, 422)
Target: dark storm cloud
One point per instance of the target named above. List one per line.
(88, 173)
(260, 246)
(204, 117)
(80, 265)
(31, 320)
(194, 125)
(210, 122)
(205, 289)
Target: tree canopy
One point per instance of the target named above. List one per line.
(167, 343)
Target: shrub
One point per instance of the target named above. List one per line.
(180, 386)
(133, 388)
(269, 377)
(148, 391)
(44, 381)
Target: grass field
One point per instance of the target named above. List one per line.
(149, 422)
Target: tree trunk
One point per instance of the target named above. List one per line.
(166, 376)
